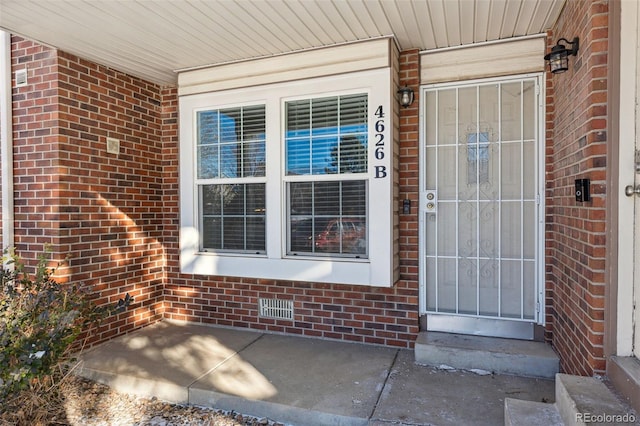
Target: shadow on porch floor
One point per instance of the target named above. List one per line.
(301, 381)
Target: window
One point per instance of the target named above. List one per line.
(230, 179)
(291, 181)
(325, 137)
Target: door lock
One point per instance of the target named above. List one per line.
(630, 190)
(432, 199)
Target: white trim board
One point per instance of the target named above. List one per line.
(335, 60)
(488, 60)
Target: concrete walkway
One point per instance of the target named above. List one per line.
(301, 381)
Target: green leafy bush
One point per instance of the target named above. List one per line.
(40, 320)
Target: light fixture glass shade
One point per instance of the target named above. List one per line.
(559, 62)
(405, 96)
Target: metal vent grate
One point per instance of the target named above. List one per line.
(21, 77)
(276, 308)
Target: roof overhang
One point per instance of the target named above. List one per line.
(153, 39)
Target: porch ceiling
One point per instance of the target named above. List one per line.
(152, 39)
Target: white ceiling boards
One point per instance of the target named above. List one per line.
(152, 39)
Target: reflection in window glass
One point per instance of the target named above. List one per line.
(231, 145)
(328, 218)
(326, 135)
(231, 142)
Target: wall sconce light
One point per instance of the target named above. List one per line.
(559, 56)
(405, 96)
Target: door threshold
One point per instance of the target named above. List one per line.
(477, 326)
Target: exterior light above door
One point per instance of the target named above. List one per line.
(405, 96)
(559, 56)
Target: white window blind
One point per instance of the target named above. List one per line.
(325, 137)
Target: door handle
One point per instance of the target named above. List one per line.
(630, 190)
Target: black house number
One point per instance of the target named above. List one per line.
(379, 152)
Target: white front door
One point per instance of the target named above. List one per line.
(480, 208)
(633, 150)
(628, 265)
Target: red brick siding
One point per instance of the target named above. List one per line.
(117, 216)
(576, 148)
(35, 148)
(409, 167)
(105, 211)
(386, 316)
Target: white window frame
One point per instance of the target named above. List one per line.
(315, 178)
(219, 180)
(377, 269)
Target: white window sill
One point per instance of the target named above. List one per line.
(321, 270)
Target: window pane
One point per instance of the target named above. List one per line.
(208, 127)
(298, 118)
(354, 198)
(233, 233)
(324, 116)
(298, 157)
(255, 233)
(211, 235)
(233, 217)
(211, 196)
(353, 112)
(323, 154)
(326, 198)
(208, 167)
(231, 142)
(253, 159)
(328, 218)
(327, 135)
(301, 199)
(351, 156)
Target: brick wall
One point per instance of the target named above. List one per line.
(103, 210)
(576, 148)
(117, 216)
(363, 314)
(409, 167)
(35, 148)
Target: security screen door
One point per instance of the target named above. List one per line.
(480, 207)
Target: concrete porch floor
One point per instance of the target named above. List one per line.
(301, 381)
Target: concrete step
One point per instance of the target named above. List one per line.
(624, 373)
(526, 413)
(580, 401)
(501, 356)
(587, 400)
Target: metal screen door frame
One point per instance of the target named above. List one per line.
(456, 320)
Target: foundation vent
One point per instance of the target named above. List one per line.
(276, 308)
(21, 77)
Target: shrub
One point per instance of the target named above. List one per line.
(40, 320)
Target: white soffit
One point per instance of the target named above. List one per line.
(495, 59)
(152, 38)
(327, 61)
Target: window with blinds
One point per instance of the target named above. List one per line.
(325, 173)
(231, 179)
(286, 183)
